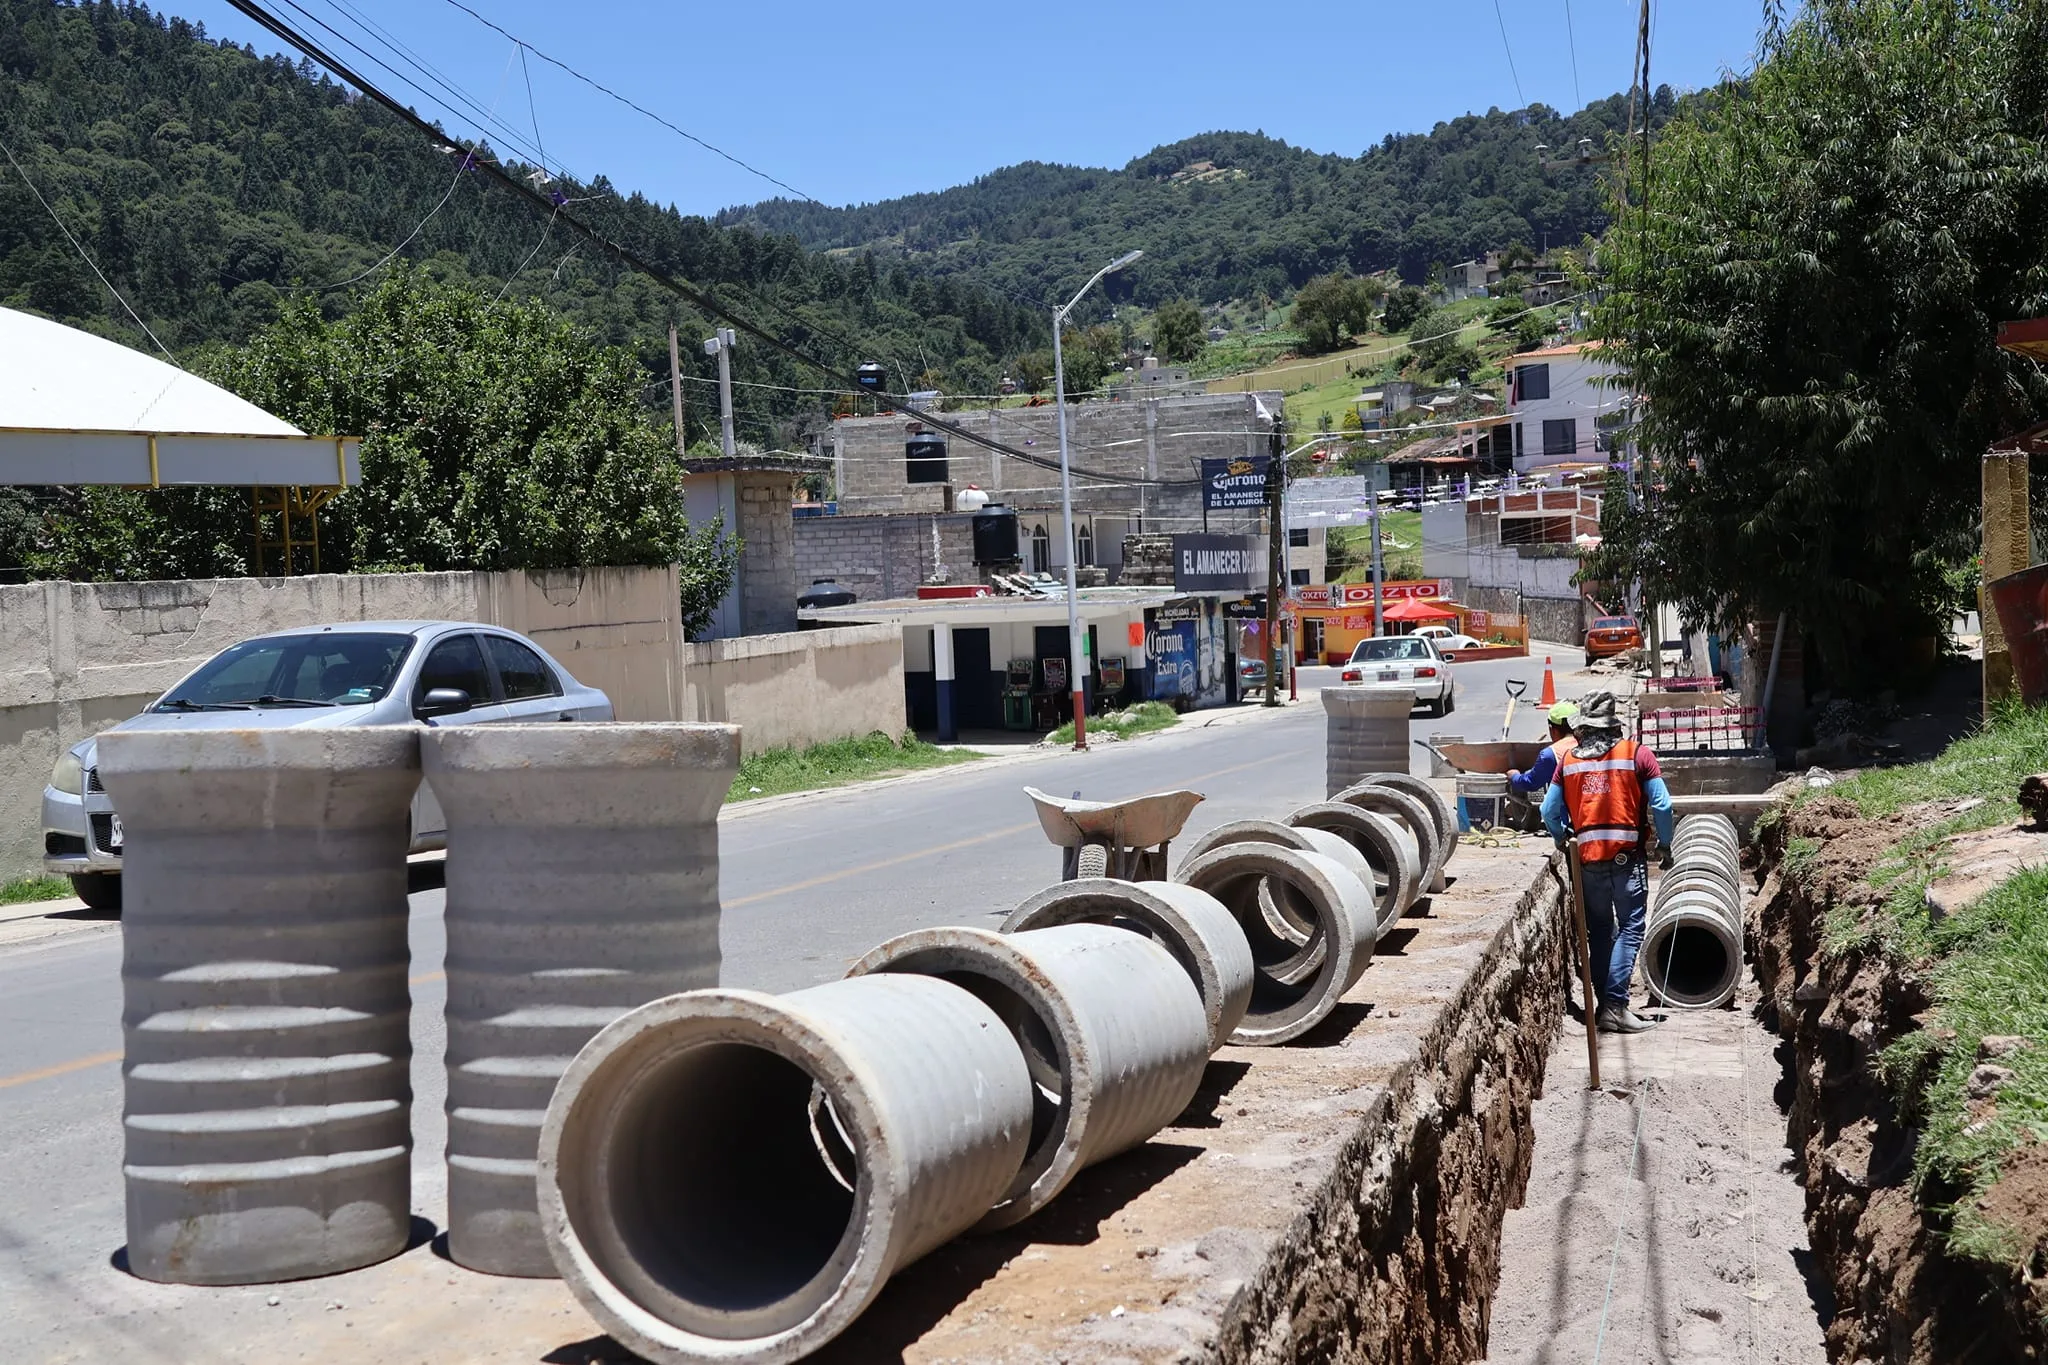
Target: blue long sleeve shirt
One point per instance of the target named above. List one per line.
(1539, 774)
(1557, 819)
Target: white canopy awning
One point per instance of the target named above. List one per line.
(79, 409)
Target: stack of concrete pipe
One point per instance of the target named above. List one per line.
(1692, 944)
(1366, 732)
(264, 976)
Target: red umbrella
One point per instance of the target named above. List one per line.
(1408, 609)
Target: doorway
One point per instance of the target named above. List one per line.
(977, 701)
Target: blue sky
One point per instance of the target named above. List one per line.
(851, 102)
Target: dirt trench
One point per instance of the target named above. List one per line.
(1899, 1297)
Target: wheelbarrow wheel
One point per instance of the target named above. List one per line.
(1093, 861)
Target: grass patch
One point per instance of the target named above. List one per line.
(774, 772)
(23, 890)
(1143, 718)
(1986, 967)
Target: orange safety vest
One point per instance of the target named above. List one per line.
(1605, 801)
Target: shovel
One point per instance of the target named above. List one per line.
(1516, 687)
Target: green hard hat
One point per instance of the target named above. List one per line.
(1563, 712)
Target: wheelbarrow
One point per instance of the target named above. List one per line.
(1476, 761)
(1122, 839)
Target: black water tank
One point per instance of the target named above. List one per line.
(995, 535)
(870, 377)
(824, 592)
(924, 458)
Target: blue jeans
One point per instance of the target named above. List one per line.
(1616, 893)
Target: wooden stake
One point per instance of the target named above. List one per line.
(1585, 947)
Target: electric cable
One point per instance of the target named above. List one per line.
(1504, 47)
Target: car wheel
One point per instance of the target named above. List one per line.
(99, 890)
(1450, 701)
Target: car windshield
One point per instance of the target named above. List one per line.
(1386, 651)
(327, 668)
(1614, 623)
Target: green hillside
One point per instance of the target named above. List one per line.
(1235, 216)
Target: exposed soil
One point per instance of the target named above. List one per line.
(1704, 1235)
(1899, 1297)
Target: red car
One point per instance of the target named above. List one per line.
(1613, 635)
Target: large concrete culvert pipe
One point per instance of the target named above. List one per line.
(1192, 925)
(1112, 1029)
(732, 1176)
(1295, 986)
(1386, 843)
(1287, 915)
(266, 1076)
(1692, 943)
(582, 882)
(1365, 731)
(1414, 816)
(1440, 808)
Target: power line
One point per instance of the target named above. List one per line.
(1572, 40)
(1509, 50)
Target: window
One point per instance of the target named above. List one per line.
(1298, 577)
(521, 670)
(1518, 438)
(1041, 550)
(455, 662)
(1561, 436)
(1532, 382)
(1388, 649)
(345, 669)
(1084, 546)
(1297, 536)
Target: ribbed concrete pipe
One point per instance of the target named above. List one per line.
(582, 881)
(1692, 943)
(1192, 925)
(1111, 1027)
(1414, 817)
(266, 1077)
(1440, 808)
(1387, 845)
(1286, 915)
(731, 1176)
(1286, 1004)
(1708, 832)
(1366, 731)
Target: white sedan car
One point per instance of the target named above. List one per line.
(1406, 661)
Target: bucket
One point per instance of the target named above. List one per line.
(2021, 600)
(1482, 801)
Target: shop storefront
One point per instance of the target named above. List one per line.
(1330, 619)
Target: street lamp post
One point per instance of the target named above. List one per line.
(1075, 657)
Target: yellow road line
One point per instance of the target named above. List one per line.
(423, 980)
(60, 1069)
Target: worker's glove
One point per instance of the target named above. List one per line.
(1664, 858)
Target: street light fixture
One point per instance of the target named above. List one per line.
(1075, 657)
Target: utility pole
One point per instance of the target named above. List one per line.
(1276, 555)
(1379, 563)
(721, 346)
(675, 389)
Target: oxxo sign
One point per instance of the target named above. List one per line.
(1217, 563)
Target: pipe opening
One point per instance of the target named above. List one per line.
(1288, 971)
(728, 1213)
(1690, 963)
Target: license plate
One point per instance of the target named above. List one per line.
(1390, 677)
(114, 832)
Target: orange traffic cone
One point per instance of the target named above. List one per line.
(1549, 697)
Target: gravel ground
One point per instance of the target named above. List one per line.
(1712, 1260)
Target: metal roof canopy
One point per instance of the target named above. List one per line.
(79, 409)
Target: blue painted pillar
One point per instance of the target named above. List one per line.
(942, 674)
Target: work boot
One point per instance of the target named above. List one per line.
(1619, 1018)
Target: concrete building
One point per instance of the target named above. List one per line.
(1516, 553)
(751, 494)
(1563, 406)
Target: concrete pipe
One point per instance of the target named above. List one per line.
(1440, 808)
(1284, 1004)
(1707, 836)
(1286, 914)
(1692, 946)
(266, 1078)
(1111, 1028)
(1366, 731)
(582, 881)
(1192, 925)
(1387, 845)
(1413, 816)
(726, 1175)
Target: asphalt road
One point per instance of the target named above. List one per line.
(808, 884)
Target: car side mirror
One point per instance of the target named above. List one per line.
(442, 701)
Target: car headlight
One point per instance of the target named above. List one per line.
(68, 774)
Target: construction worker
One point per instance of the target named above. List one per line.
(1537, 780)
(1605, 790)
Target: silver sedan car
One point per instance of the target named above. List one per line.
(359, 673)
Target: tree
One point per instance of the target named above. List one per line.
(1438, 343)
(1177, 331)
(1809, 308)
(1404, 305)
(1329, 308)
(1032, 370)
(495, 436)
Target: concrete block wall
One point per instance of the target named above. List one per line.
(767, 569)
(798, 689)
(881, 557)
(83, 656)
